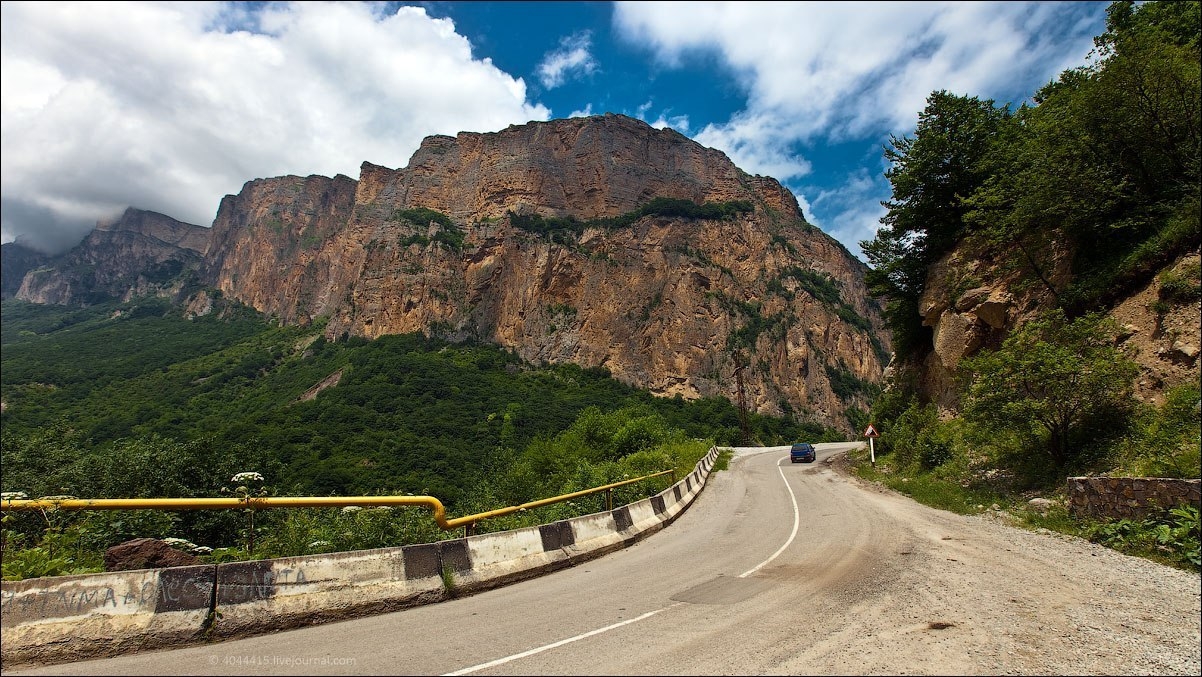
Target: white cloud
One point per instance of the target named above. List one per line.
(573, 58)
(832, 72)
(843, 69)
(170, 106)
(850, 212)
(679, 123)
(586, 112)
(760, 144)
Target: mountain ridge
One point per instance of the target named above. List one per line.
(531, 238)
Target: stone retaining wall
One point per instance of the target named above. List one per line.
(1129, 497)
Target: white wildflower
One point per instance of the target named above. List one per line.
(202, 550)
(13, 496)
(351, 509)
(181, 543)
(247, 477)
(320, 544)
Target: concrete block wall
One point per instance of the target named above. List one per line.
(74, 617)
(1129, 497)
(104, 614)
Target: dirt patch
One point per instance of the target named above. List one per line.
(1163, 337)
(328, 382)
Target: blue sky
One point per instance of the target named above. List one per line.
(169, 106)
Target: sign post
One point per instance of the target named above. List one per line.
(872, 434)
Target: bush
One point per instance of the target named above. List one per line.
(1049, 381)
(1181, 285)
(1170, 536)
(1164, 442)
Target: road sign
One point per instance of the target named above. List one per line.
(872, 434)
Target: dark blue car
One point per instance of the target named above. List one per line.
(802, 452)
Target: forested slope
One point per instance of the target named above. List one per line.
(137, 400)
(1040, 266)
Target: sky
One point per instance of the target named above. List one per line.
(169, 106)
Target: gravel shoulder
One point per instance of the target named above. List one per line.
(977, 595)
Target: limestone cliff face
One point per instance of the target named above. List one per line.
(141, 253)
(16, 260)
(271, 245)
(972, 302)
(583, 167)
(668, 303)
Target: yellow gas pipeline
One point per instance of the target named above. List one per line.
(264, 502)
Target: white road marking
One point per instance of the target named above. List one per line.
(649, 614)
(531, 652)
(796, 524)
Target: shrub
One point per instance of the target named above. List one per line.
(1181, 285)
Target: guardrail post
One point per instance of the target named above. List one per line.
(609, 499)
(469, 529)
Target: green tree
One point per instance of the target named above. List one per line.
(1107, 160)
(931, 174)
(1052, 382)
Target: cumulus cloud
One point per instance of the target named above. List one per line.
(170, 106)
(679, 123)
(832, 72)
(573, 58)
(851, 211)
(583, 112)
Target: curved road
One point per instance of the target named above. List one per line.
(776, 568)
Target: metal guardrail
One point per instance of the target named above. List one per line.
(468, 522)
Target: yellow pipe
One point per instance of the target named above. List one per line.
(252, 503)
(260, 503)
(463, 521)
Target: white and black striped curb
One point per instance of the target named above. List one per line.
(72, 617)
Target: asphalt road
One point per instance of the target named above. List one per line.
(776, 568)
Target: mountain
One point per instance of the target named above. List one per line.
(15, 261)
(599, 241)
(139, 253)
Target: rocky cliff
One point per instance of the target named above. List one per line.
(138, 254)
(972, 301)
(16, 260)
(540, 238)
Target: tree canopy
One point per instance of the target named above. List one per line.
(1052, 382)
(1106, 161)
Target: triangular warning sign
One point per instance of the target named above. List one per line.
(871, 432)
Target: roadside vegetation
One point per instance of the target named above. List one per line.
(1107, 163)
(132, 399)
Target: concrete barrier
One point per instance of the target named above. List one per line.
(295, 591)
(75, 617)
(72, 617)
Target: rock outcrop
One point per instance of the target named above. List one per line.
(141, 253)
(971, 302)
(526, 238)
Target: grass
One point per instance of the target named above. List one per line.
(723, 460)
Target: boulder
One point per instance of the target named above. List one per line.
(1041, 505)
(972, 298)
(956, 336)
(145, 553)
